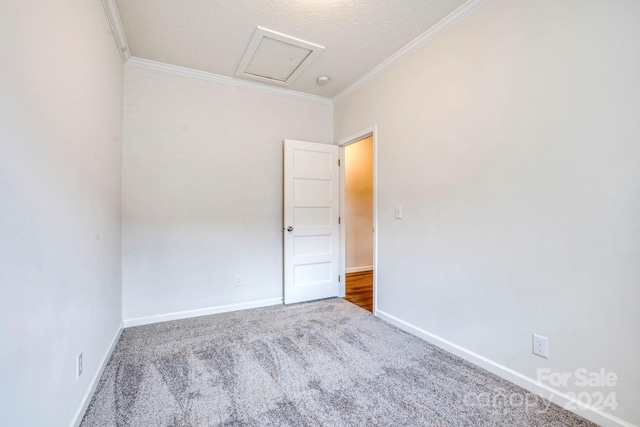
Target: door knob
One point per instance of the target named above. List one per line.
(289, 229)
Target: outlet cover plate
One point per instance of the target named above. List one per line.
(541, 346)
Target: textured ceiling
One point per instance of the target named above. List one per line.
(212, 35)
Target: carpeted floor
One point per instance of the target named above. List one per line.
(324, 363)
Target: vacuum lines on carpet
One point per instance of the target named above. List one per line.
(323, 363)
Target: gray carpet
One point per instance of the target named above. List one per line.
(324, 363)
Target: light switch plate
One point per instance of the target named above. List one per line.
(398, 212)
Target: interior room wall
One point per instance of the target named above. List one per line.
(202, 190)
(512, 141)
(358, 189)
(61, 85)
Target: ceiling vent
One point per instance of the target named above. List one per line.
(276, 58)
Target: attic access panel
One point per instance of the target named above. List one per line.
(276, 58)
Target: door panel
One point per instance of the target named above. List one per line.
(311, 209)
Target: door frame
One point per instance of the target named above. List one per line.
(342, 143)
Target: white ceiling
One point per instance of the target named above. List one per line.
(212, 35)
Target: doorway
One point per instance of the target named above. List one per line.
(358, 211)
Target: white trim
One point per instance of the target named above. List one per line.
(450, 20)
(358, 269)
(138, 321)
(358, 136)
(86, 399)
(217, 78)
(120, 38)
(115, 23)
(556, 396)
(342, 289)
(373, 132)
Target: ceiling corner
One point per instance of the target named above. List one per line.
(117, 29)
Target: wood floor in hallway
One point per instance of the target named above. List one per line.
(359, 289)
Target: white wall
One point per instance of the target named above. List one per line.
(358, 209)
(512, 141)
(61, 83)
(202, 190)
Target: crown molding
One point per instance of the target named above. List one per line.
(450, 20)
(217, 78)
(120, 38)
(113, 16)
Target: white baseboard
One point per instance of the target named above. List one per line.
(558, 397)
(358, 269)
(138, 321)
(77, 419)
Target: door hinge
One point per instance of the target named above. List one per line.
(338, 162)
(338, 220)
(339, 277)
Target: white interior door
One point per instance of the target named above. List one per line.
(311, 223)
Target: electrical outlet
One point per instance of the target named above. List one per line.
(541, 346)
(79, 366)
(238, 280)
